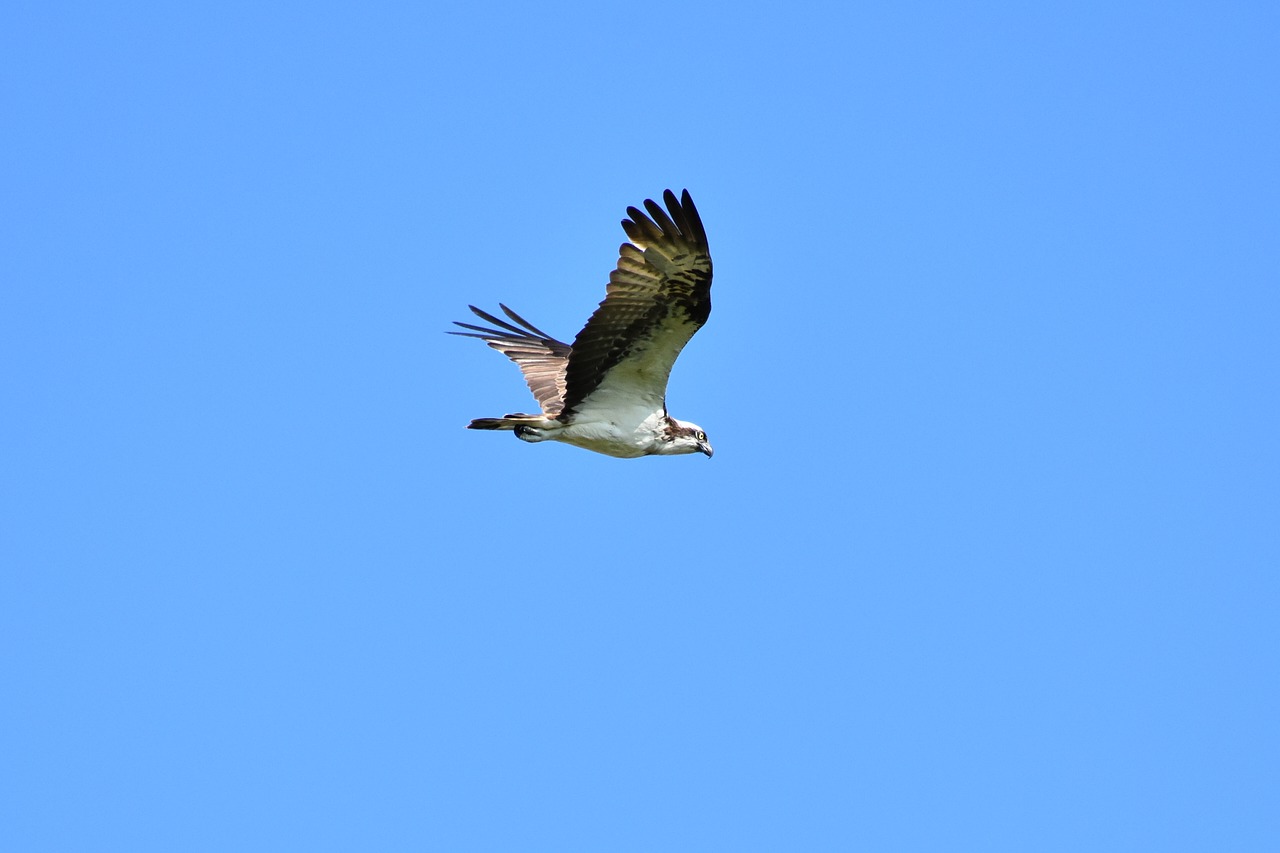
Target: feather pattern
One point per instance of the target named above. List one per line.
(540, 357)
(658, 296)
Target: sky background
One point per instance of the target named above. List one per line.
(987, 555)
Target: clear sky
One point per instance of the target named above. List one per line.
(987, 555)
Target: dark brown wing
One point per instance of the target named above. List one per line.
(659, 295)
(540, 357)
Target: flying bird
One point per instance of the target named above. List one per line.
(607, 390)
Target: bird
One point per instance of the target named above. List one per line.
(606, 392)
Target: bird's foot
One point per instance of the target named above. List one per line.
(528, 433)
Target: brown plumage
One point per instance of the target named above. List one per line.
(540, 357)
(663, 279)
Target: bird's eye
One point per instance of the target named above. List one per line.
(702, 436)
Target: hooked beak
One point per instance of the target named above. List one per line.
(703, 447)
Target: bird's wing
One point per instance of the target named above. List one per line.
(541, 358)
(658, 296)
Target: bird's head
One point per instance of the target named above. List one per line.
(687, 438)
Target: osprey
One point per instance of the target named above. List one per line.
(607, 391)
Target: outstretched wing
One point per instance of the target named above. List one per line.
(540, 357)
(659, 295)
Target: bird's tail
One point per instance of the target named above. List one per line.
(508, 422)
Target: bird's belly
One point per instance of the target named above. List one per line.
(608, 439)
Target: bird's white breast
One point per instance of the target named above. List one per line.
(625, 432)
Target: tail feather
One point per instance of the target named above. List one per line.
(508, 422)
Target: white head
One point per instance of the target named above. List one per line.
(684, 437)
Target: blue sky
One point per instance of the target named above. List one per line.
(987, 555)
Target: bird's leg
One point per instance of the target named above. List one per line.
(524, 432)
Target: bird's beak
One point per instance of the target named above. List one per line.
(705, 448)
